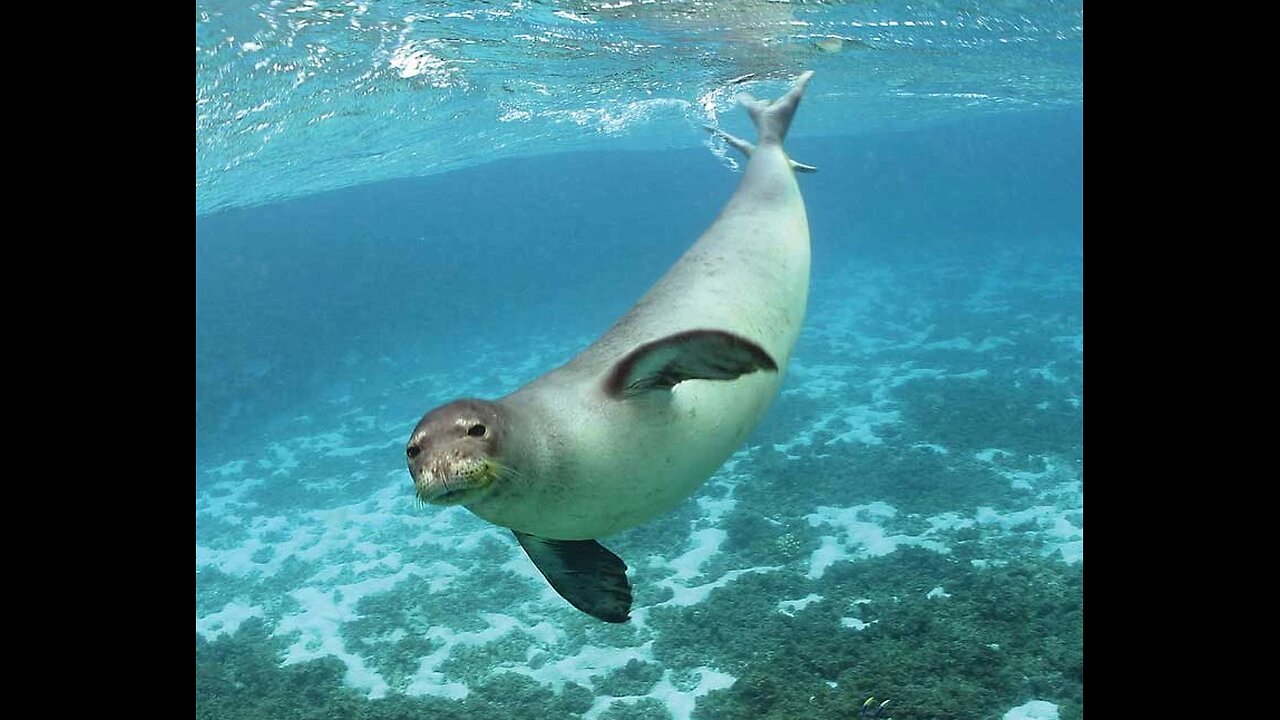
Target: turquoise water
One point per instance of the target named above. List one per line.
(402, 203)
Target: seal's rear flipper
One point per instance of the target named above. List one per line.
(584, 572)
(747, 148)
(689, 355)
(773, 119)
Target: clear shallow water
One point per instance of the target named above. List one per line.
(297, 97)
(908, 521)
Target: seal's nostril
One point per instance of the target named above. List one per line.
(413, 451)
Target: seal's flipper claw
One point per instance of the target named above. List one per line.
(584, 572)
(688, 355)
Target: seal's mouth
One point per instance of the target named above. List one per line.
(456, 485)
(449, 497)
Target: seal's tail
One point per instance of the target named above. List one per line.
(772, 120)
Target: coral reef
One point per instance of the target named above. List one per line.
(908, 527)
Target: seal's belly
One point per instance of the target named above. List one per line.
(649, 456)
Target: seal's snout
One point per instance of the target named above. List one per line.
(451, 452)
(415, 457)
(450, 479)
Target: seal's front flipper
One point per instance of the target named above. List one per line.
(586, 574)
(689, 355)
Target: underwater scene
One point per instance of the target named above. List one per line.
(400, 204)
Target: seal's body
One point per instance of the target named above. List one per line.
(638, 420)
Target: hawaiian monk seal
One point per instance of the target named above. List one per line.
(637, 421)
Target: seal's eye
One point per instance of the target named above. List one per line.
(476, 430)
(413, 451)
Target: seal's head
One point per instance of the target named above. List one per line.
(454, 452)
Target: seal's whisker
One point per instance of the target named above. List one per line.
(502, 471)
